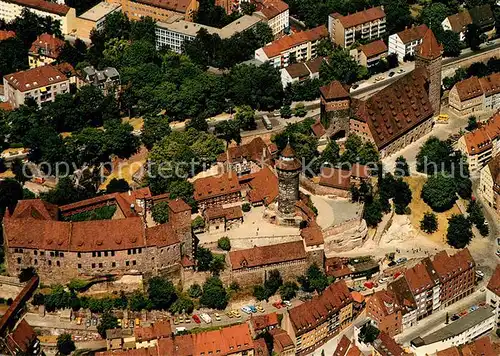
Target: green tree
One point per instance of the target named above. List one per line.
(120, 140)
(373, 212)
(107, 321)
(203, 258)
(155, 128)
(459, 232)
(159, 212)
(402, 169)
(368, 333)
(13, 56)
(143, 30)
(429, 223)
(434, 14)
(245, 115)
(476, 216)
(138, 301)
(286, 112)
(263, 32)
(434, 156)
(73, 54)
(214, 295)
(198, 223)
(402, 196)
(260, 293)
(452, 46)
(117, 186)
(439, 192)
(340, 66)
(161, 293)
(217, 264)
(229, 130)
(273, 282)
(65, 344)
(195, 290)
(331, 154)
(246, 207)
(65, 192)
(473, 36)
(398, 15)
(26, 274)
(10, 193)
(472, 123)
(313, 280)
(224, 243)
(288, 290)
(300, 110)
(182, 305)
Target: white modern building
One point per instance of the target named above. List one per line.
(10, 9)
(458, 332)
(404, 43)
(493, 294)
(276, 13)
(173, 34)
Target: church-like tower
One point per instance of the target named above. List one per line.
(288, 169)
(429, 55)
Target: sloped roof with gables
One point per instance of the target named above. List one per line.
(361, 17)
(430, 47)
(260, 256)
(413, 33)
(460, 21)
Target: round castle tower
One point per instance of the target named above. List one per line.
(288, 169)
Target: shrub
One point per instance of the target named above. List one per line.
(224, 243)
(429, 223)
(194, 290)
(246, 207)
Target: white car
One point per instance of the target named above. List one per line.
(246, 309)
(217, 316)
(479, 273)
(206, 318)
(287, 303)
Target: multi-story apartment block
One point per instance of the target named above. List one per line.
(493, 294)
(364, 25)
(475, 95)
(10, 9)
(405, 43)
(489, 186)
(107, 80)
(42, 84)
(406, 302)
(425, 288)
(158, 10)
(276, 14)
(45, 50)
(93, 19)
(298, 47)
(174, 33)
(313, 323)
(480, 145)
(384, 310)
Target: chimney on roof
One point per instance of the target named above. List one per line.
(129, 192)
(132, 207)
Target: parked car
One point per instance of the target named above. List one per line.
(391, 74)
(94, 321)
(454, 317)
(464, 313)
(401, 70)
(260, 308)
(236, 313)
(206, 318)
(181, 319)
(79, 321)
(473, 308)
(196, 319)
(253, 309)
(217, 317)
(246, 309)
(401, 260)
(180, 329)
(187, 319)
(354, 86)
(176, 321)
(137, 322)
(480, 273)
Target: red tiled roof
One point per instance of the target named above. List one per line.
(312, 313)
(374, 48)
(66, 69)
(178, 206)
(35, 78)
(42, 5)
(335, 178)
(256, 150)
(490, 84)
(173, 5)
(315, 64)
(287, 42)
(429, 48)
(460, 21)
(22, 337)
(418, 278)
(226, 340)
(260, 347)
(397, 109)
(5, 106)
(494, 166)
(354, 351)
(361, 17)
(230, 213)
(481, 138)
(449, 266)
(36, 209)
(318, 129)
(482, 347)
(387, 346)
(357, 297)
(263, 186)
(298, 70)
(48, 45)
(312, 234)
(267, 255)
(342, 347)
(452, 351)
(5, 35)
(469, 88)
(261, 322)
(412, 34)
(287, 160)
(271, 8)
(281, 339)
(215, 186)
(494, 283)
(161, 235)
(334, 90)
(159, 329)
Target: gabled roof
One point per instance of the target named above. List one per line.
(48, 45)
(413, 33)
(215, 186)
(342, 347)
(287, 42)
(482, 15)
(35, 78)
(318, 129)
(35, 209)
(360, 17)
(267, 255)
(429, 48)
(494, 167)
(460, 21)
(297, 70)
(256, 150)
(263, 186)
(469, 88)
(387, 346)
(173, 5)
(46, 6)
(5, 35)
(494, 283)
(310, 314)
(334, 90)
(418, 278)
(481, 139)
(374, 48)
(397, 109)
(271, 8)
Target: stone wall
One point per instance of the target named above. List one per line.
(411, 136)
(317, 189)
(345, 236)
(255, 276)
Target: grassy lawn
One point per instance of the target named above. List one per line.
(419, 207)
(136, 122)
(415, 10)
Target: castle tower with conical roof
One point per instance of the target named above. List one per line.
(429, 55)
(288, 168)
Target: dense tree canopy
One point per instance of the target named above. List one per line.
(459, 232)
(161, 293)
(214, 295)
(439, 192)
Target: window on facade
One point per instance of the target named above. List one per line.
(127, 263)
(112, 253)
(93, 265)
(140, 250)
(42, 253)
(134, 262)
(113, 264)
(52, 254)
(100, 265)
(93, 254)
(128, 252)
(61, 254)
(105, 253)
(35, 252)
(50, 263)
(19, 260)
(79, 265)
(58, 263)
(36, 261)
(79, 255)
(99, 254)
